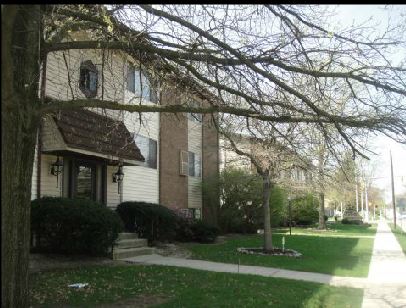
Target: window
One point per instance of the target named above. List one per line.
(194, 164)
(184, 163)
(148, 148)
(195, 117)
(139, 84)
(88, 79)
(85, 177)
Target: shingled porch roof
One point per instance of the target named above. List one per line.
(90, 133)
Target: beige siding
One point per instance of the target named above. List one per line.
(34, 178)
(195, 146)
(49, 181)
(141, 184)
(113, 197)
(110, 76)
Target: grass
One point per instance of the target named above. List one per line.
(335, 229)
(322, 253)
(182, 288)
(400, 236)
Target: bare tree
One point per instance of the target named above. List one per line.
(246, 61)
(270, 150)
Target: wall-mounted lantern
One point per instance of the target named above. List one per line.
(118, 177)
(56, 169)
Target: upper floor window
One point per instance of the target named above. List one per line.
(195, 117)
(194, 164)
(148, 148)
(88, 79)
(139, 84)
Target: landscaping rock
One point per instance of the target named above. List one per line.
(274, 252)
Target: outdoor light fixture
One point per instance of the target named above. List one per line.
(56, 169)
(118, 177)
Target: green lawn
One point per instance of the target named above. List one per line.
(182, 288)
(400, 236)
(322, 253)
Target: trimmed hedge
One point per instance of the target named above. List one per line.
(73, 226)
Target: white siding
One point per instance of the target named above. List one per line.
(48, 181)
(195, 146)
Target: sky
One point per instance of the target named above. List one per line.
(380, 163)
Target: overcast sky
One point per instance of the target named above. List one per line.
(349, 14)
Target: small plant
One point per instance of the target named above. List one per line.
(73, 226)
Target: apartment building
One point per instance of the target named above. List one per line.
(292, 171)
(112, 156)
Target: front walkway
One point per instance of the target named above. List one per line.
(387, 272)
(354, 282)
(384, 287)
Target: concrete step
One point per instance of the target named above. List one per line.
(131, 243)
(122, 253)
(127, 236)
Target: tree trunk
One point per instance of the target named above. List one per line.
(267, 211)
(322, 150)
(20, 119)
(322, 222)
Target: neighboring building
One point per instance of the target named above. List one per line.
(164, 157)
(293, 171)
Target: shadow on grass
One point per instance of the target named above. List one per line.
(329, 255)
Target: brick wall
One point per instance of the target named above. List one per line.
(173, 188)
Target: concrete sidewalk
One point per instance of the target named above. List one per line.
(354, 282)
(386, 283)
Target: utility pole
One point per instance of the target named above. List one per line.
(362, 202)
(356, 193)
(393, 190)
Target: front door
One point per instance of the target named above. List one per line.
(85, 178)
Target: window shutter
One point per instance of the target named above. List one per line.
(184, 163)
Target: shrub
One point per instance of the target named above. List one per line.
(149, 220)
(195, 230)
(73, 226)
(241, 201)
(204, 232)
(183, 230)
(305, 210)
(347, 221)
